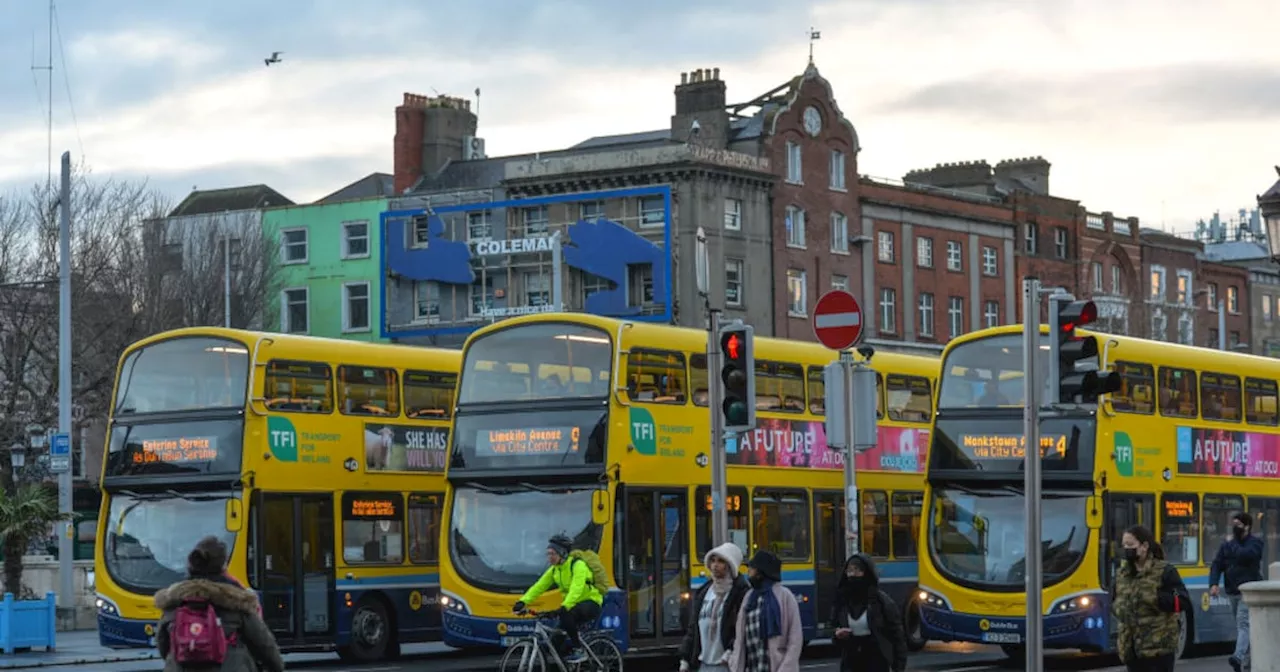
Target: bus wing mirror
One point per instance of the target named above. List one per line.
(600, 507)
(235, 515)
(1093, 512)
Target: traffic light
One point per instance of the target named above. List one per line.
(738, 372)
(1069, 348)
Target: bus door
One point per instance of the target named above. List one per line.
(1123, 510)
(1266, 526)
(657, 563)
(828, 539)
(295, 566)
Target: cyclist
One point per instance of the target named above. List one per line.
(582, 600)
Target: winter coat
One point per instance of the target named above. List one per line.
(1146, 601)
(691, 647)
(573, 578)
(248, 636)
(1237, 562)
(784, 650)
(883, 619)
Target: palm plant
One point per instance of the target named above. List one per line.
(25, 514)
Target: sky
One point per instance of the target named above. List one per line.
(1166, 111)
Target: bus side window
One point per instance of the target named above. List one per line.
(368, 390)
(656, 376)
(298, 387)
(907, 508)
(1137, 388)
(817, 390)
(425, 513)
(1180, 527)
(739, 524)
(698, 380)
(781, 523)
(1178, 393)
(1217, 512)
(875, 526)
(908, 397)
(428, 395)
(1260, 398)
(373, 528)
(1220, 396)
(779, 387)
(879, 396)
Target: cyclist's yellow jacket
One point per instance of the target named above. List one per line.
(572, 578)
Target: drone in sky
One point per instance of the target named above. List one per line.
(275, 58)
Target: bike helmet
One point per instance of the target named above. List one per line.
(561, 544)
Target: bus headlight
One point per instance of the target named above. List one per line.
(105, 607)
(1070, 604)
(928, 598)
(453, 605)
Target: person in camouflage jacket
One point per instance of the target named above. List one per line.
(1147, 598)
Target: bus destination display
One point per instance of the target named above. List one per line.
(372, 508)
(531, 441)
(184, 450)
(991, 447)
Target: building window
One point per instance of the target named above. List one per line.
(955, 316)
(926, 315)
(840, 282)
(733, 214)
(591, 210)
(839, 233)
(797, 293)
(1213, 337)
(426, 301)
(419, 231)
(1097, 275)
(293, 246)
(1186, 329)
(955, 256)
(481, 292)
(537, 288)
(884, 245)
(1060, 242)
(479, 225)
(733, 282)
(355, 306)
(991, 313)
(1233, 339)
(1032, 242)
(1117, 281)
(653, 212)
(1213, 297)
(990, 261)
(888, 310)
(924, 252)
(795, 226)
(837, 170)
(793, 163)
(295, 311)
(536, 222)
(1184, 287)
(355, 240)
(640, 285)
(593, 283)
(1233, 299)
(1266, 308)
(1157, 282)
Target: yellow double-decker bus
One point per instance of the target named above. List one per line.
(1190, 437)
(599, 428)
(319, 462)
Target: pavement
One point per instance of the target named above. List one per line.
(80, 648)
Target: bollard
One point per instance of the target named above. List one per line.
(1263, 600)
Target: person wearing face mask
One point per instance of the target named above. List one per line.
(1239, 560)
(1147, 597)
(867, 621)
(706, 646)
(767, 636)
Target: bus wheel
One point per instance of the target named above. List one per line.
(914, 628)
(1184, 635)
(370, 633)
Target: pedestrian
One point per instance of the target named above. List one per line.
(767, 636)
(707, 646)
(867, 621)
(1239, 560)
(1147, 599)
(209, 622)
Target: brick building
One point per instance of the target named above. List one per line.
(1183, 290)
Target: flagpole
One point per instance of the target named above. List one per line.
(814, 36)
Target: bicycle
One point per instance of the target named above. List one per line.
(529, 653)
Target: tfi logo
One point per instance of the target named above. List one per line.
(1124, 454)
(282, 439)
(644, 433)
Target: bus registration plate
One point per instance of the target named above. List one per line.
(508, 641)
(1002, 637)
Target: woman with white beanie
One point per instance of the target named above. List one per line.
(707, 644)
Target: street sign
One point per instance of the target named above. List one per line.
(59, 464)
(60, 445)
(837, 320)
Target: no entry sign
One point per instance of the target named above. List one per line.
(837, 320)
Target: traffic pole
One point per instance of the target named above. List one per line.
(850, 456)
(1031, 381)
(719, 477)
(66, 587)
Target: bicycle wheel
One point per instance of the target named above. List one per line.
(523, 656)
(602, 655)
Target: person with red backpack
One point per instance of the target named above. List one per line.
(210, 622)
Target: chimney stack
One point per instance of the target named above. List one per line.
(429, 134)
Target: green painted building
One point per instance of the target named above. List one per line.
(328, 268)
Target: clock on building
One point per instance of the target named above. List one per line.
(812, 120)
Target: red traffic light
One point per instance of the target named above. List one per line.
(733, 346)
(1077, 314)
